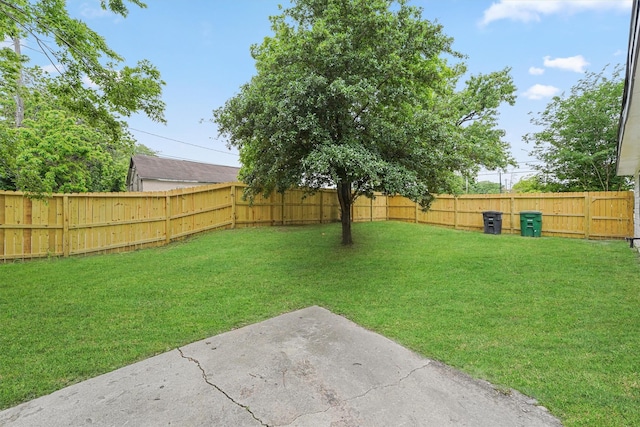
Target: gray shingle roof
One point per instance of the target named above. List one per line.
(151, 167)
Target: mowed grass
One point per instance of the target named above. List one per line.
(557, 319)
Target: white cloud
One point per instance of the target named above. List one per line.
(536, 71)
(541, 91)
(573, 63)
(88, 82)
(52, 69)
(93, 10)
(7, 42)
(533, 10)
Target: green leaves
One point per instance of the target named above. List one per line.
(357, 94)
(73, 137)
(57, 154)
(579, 138)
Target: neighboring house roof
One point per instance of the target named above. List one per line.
(629, 132)
(151, 167)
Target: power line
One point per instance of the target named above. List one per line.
(166, 156)
(183, 142)
(31, 48)
(517, 172)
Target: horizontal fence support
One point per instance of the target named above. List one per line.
(31, 227)
(112, 223)
(201, 211)
(117, 246)
(75, 224)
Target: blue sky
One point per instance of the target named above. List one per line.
(201, 47)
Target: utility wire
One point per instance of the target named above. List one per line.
(165, 156)
(185, 143)
(31, 48)
(44, 48)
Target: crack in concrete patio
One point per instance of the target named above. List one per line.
(227, 395)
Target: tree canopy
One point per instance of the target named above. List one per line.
(530, 184)
(578, 141)
(360, 95)
(485, 187)
(65, 131)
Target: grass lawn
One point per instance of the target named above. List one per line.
(557, 319)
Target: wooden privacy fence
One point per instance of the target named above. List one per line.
(71, 224)
(595, 215)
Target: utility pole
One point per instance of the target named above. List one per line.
(20, 83)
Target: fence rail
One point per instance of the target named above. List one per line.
(594, 215)
(72, 224)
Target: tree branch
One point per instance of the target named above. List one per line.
(382, 83)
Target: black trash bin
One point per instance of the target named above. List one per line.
(492, 222)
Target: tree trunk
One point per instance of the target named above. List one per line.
(344, 197)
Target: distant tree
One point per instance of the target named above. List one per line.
(485, 187)
(358, 95)
(56, 154)
(57, 150)
(579, 138)
(143, 149)
(530, 184)
(65, 132)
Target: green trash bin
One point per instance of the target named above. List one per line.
(531, 223)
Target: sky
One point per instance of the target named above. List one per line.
(202, 49)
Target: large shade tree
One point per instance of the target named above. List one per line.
(578, 139)
(66, 131)
(55, 150)
(359, 95)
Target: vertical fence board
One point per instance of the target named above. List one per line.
(86, 223)
(27, 220)
(379, 204)
(362, 210)
(18, 237)
(607, 215)
(3, 210)
(401, 208)
(330, 206)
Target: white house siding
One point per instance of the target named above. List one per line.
(628, 161)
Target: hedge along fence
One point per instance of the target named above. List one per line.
(73, 224)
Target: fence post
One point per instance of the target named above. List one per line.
(386, 211)
(65, 226)
(233, 206)
(2, 221)
(371, 211)
(167, 221)
(271, 202)
(282, 211)
(352, 208)
(455, 212)
(587, 215)
(512, 208)
(321, 205)
(633, 210)
(416, 214)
